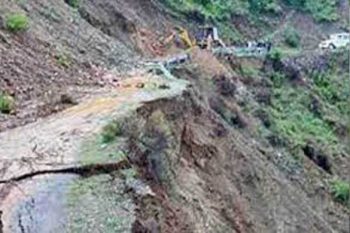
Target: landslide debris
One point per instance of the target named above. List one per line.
(212, 169)
(252, 145)
(64, 51)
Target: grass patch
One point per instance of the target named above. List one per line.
(292, 38)
(92, 151)
(278, 79)
(249, 71)
(340, 191)
(6, 103)
(17, 22)
(292, 120)
(63, 59)
(111, 131)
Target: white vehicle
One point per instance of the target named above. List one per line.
(336, 41)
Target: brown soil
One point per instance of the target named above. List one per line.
(211, 174)
(64, 51)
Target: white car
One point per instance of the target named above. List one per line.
(336, 41)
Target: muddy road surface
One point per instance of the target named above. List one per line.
(36, 161)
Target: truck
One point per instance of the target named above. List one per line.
(336, 41)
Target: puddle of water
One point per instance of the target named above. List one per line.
(44, 210)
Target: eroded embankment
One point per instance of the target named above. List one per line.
(210, 176)
(69, 145)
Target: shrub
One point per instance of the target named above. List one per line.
(275, 55)
(73, 3)
(277, 79)
(6, 103)
(322, 10)
(292, 38)
(291, 119)
(63, 59)
(340, 191)
(111, 131)
(17, 22)
(263, 6)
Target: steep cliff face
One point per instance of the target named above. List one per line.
(209, 177)
(252, 145)
(212, 172)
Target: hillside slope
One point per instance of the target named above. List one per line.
(244, 144)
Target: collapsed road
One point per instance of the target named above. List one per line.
(50, 146)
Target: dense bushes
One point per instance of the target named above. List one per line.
(321, 10)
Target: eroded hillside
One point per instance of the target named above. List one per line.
(211, 143)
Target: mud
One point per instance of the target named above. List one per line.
(206, 182)
(52, 146)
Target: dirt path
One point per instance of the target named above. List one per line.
(54, 142)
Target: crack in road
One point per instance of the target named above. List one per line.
(82, 170)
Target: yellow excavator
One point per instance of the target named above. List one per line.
(207, 37)
(181, 38)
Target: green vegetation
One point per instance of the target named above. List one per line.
(275, 55)
(277, 79)
(294, 121)
(6, 103)
(111, 131)
(17, 22)
(220, 13)
(249, 71)
(73, 3)
(291, 38)
(321, 10)
(341, 191)
(313, 112)
(264, 6)
(63, 59)
(93, 151)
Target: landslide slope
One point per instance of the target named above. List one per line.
(215, 166)
(64, 51)
(252, 146)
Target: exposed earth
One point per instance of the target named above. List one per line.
(96, 140)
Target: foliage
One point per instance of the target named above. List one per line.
(263, 5)
(277, 79)
(321, 10)
(111, 131)
(249, 71)
(293, 120)
(340, 191)
(73, 3)
(63, 59)
(17, 22)
(292, 38)
(275, 55)
(332, 89)
(6, 103)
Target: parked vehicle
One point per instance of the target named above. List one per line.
(336, 41)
